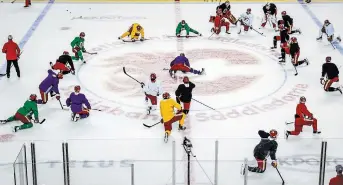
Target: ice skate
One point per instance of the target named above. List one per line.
(317, 132)
(182, 127)
(16, 128)
(202, 71)
(166, 136)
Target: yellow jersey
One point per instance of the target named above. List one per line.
(133, 30)
(167, 108)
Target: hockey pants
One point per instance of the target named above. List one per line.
(178, 117)
(261, 166)
(183, 68)
(300, 122)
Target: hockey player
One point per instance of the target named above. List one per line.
(220, 21)
(224, 7)
(294, 51)
(288, 23)
(184, 26)
(331, 71)
(283, 37)
(76, 101)
(64, 63)
(183, 94)
(152, 89)
(134, 32)
(338, 180)
(12, 51)
(329, 31)
(224, 11)
(24, 114)
(181, 63)
(78, 47)
(270, 12)
(266, 147)
(303, 117)
(49, 85)
(245, 20)
(167, 106)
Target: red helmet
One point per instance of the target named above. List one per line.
(77, 88)
(153, 77)
(328, 59)
(302, 99)
(82, 34)
(283, 13)
(294, 39)
(33, 97)
(65, 53)
(185, 80)
(166, 95)
(273, 133)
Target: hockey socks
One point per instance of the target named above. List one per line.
(22, 127)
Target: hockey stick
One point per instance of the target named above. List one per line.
(96, 109)
(296, 71)
(149, 126)
(211, 35)
(257, 31)
(333, 45)
(131, 76)
(13, 1)
(134, 40)
(94, 53)
(182, 36)
(61, 104)
(203, 104)
(42, 121)
(166, 69)
(288, 123)
(283, 182)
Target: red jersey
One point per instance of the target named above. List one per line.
(302, 111)
(338, 180)
(217, 21)
(12, 50)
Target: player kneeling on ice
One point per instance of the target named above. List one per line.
(329, 31)
(76, 101)
(220, 21)
(183, 94)
(294, 51)
(303, 117)
(224, 8)
(270, 12)
(181, 63)
(78, 47)
(167, 106)
(287, 21)
(64, 63)
(152, 89)
(24, 114)
(331, 71)
(184, 26)
(50, 85)
(245, 20)
(266, 147)
(134, 32)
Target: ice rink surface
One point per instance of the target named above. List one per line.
(243, 82)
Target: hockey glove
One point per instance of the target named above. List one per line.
(36, 120)
(178, 99)
(158, 94)
(322, 80)
(133, 40)
(58, 97)
(142, 39)
(274, 163)
(162, 120)
(72, 72)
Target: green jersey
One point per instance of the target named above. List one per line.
(29, 108)
(78, 42)
(181, 27)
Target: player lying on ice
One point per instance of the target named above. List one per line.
(184, 26)
(134, 32)
(24, 114)
(181, 63)
(76, 101)
(64, 64)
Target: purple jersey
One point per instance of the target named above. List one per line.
(50, 83)
(180, 60)
(76, 101)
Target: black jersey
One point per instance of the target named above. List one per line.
(288, 21)
(184, 92)
(224, 7)
(66, 59)
(294, 48)
(266, 147)
(272, 9)
(330, 69)
(284, 37)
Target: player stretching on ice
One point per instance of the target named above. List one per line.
(184, 94)
(64, 63)
(181, 63)
(24, 114)
(167, 106)
(331, 71)
(50, 85)
(263, 149)
(303, 117)
(270, 12)
(220, 21)
(294, 51)
(76, 100)
(288, 22)
(134, 32)
(78, 47)
(184, 26)
(245, 20)
(329, 31)
(152, 89)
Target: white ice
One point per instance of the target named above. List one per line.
(243, 82)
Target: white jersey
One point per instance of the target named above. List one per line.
(246, 18)
(152, 88)
(329, 30)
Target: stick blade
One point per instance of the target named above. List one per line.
(124, 70)
(148, 126)
(42, 121)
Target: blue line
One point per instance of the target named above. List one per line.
(32, 29)
(318, 23)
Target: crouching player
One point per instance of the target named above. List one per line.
(24, 114)
(134, 32)
(331, 71)
(181, 63)
(245, 20)
(303, 117)
(329, 31)
(167, 106)
(152, 89)
(220, 21)
(50, 85)
(76, 101)
(64, 63)
(294, 50)
(184, 26)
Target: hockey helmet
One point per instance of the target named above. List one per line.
(302, 99)
(249, 11)
(65, 53)
(339, 168)
(10, 37)
(182, 54)
(183, 22)
(283, 13)
(185, 80)
(294, 39)
(263, 134)
(153, 77)
(281, 26)
(273, 133)
(227, 3)
(77, 88)
(268, 6)
(33, 97)
(328, 59)
(326, 22)
(139, 27)
(82, 34)
(166, 95)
